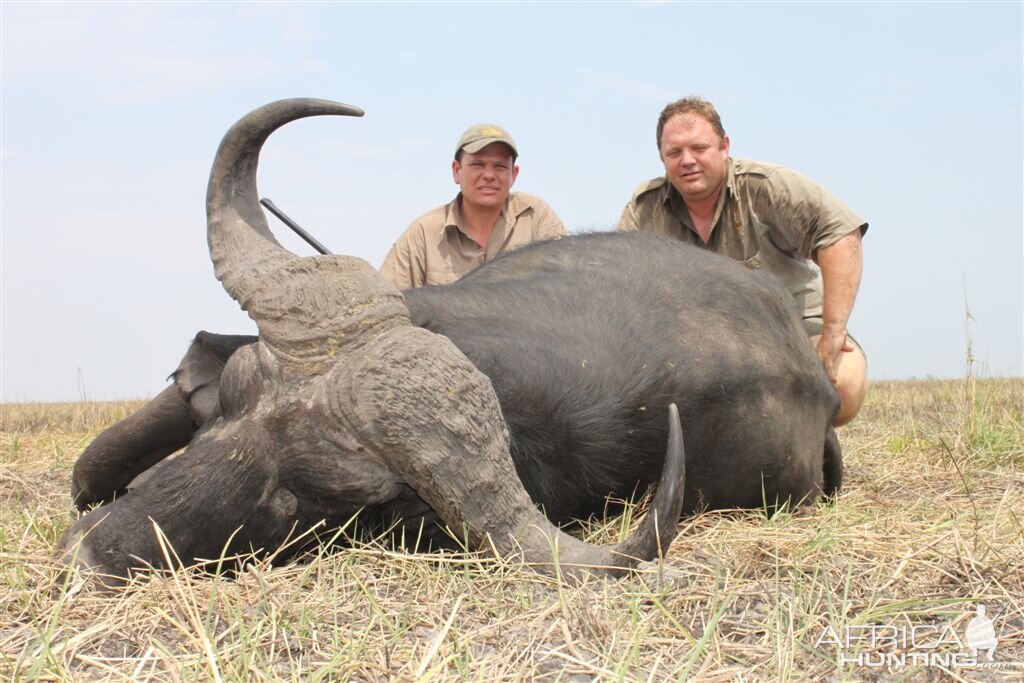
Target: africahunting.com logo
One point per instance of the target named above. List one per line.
(899, 646)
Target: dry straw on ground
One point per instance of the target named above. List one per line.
(930, 524)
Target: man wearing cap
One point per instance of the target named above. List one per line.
(485, 219)
(766, 217)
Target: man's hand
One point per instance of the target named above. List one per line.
(829, 346)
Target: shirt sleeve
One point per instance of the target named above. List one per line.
(628, 221)
(547, 224)
(642, 203)
(803, 215)
(404, 265)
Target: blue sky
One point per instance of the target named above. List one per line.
(110, 114)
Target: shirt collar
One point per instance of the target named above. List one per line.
(453, 212)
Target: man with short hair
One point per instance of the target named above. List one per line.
(485, 219)
(763, 216)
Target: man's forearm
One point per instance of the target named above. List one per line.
(841, 266)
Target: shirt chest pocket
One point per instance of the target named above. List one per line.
(741, 236)
(744, 247)
(753, 241)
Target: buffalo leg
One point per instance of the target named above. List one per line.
(130, 447)
(833, 464)
(161, 427)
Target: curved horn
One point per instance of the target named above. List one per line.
(659, 527)
(651, 538)
(241, 244)
(434, 418)
(299, 304)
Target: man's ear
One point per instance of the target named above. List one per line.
(456, 167)
(515, 174)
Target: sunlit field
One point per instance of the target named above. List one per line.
(880, 585)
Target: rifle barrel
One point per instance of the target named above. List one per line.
(312, 241)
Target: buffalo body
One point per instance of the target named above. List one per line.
(586, 342)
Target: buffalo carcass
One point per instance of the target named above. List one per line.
(355, 400)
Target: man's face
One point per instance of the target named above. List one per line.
(487, 176)
(694, 156)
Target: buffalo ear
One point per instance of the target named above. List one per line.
(198, 374)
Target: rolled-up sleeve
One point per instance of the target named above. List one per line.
(806, 215)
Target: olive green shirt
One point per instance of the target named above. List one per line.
(767, 217)
(435, 250)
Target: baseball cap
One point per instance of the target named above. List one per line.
(480, 135)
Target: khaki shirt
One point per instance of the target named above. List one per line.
(435, 250)
(767, 217)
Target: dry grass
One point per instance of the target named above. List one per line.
(930, 523)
